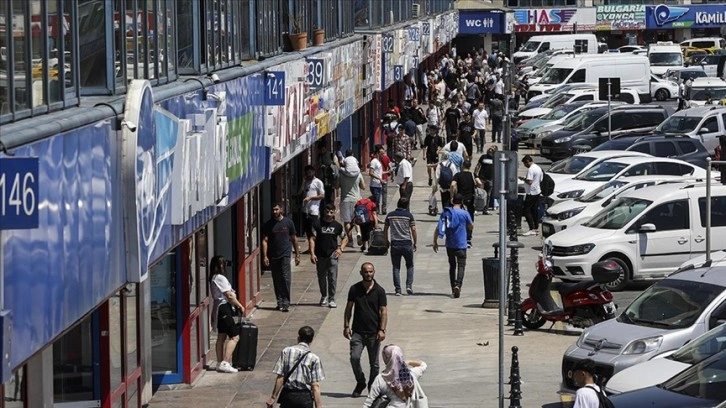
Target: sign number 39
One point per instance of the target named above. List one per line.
(19, 193)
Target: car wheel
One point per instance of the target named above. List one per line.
(532, 319)
(624, 278)
(662, 95)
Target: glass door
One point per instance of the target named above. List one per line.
(166, 352)
(196, 330)
(76, 366)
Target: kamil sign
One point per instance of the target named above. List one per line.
(686, 16)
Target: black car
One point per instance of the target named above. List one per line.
(679, 147)
(622, 119)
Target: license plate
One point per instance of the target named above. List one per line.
(545, 150)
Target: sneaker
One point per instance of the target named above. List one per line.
(225, 367)
(358, 389)
(468, 245)
(398, 293)
(285, 309)
(332, 304)
(457, 292)
(323, 301)
(430, 182)
(359, 239)
(409, 291)
(363, 248)
(530, 233)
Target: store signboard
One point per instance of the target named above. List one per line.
(686, 16)
(481, 22)
(620, 17)
(18, 193)
(554, 20)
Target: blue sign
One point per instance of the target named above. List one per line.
(426, 28)
(481, 22)
(687, 16)
(18, 193)
(387, 43)
(316, 73)
(398, 73)
(414, 34)
(275, 88)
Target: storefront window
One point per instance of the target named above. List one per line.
(115, 336)
(164, 315)
(73, 364)
(15, 392)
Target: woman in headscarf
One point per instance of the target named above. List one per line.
(398, 379)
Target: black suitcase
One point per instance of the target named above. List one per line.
(378, 243)
(245, 354)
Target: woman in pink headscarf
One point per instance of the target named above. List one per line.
(398, 379)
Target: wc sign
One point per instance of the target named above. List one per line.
(481, 22)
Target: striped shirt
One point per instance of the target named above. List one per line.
(310, 369)
(400, 223)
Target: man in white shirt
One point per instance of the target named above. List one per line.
(404, 176)
(499, 86)
(533, 191)
(481, 116)
(375, 171)
(314, 191)
(583, 373)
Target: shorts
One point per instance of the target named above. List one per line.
(346, 211)
(225, 320)
(432, 158)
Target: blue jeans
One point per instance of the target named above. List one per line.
(377, 192)
(407, 253)
(359, 341)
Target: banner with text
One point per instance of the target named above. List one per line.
(686, 16)
(620, 17)
(481, 22)
(555, 19)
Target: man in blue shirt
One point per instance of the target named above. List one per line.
(453, 224)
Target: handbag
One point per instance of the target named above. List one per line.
(381, 401)
(418, 398)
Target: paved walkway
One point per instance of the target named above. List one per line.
(456, 337)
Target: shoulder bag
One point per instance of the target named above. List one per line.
(418, 398)
(288, 374)
(381, 401)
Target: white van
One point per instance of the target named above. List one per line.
(633, 71)
(664, 55)
(706, 42)
(539, 43)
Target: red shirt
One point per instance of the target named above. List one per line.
(386, 163)
(370, 206)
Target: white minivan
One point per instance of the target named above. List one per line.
(633, 71)
(649, 232)
(587, 44)
(664, 55)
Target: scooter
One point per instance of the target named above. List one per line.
(583, 303)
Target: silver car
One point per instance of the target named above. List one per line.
(664, 317)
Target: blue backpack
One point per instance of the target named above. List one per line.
(446, 176)
(361, 215)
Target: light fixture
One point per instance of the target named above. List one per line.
(116, 119)
(214, 78)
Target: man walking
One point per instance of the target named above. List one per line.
(299, 373)
(454, 223)
(496, 108)
(480, 116)
(404, 176)
(532, 190)
(402, 243)
(375, 172)
(325, 251)
(583, 373)
(445, 172)
(370, 318)
(350, 188)
(465, 183)
(278, 240)
(386, 162)
(314, 192)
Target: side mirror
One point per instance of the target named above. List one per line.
(647, 228)
(704, 130)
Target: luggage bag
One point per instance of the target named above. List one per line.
(378, 243)
(245, 354)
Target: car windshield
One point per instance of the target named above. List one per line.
(670, 304)
(678, 124)
(615, 144)
(704, 94)
(571, 165)
(556, 100)
(666, 59)
(530, 46)
(702, 348)
(559, 112)
(584, 121)
(618, 214)
(603, 171)
(555, 76)
(706, 380)
(601, 192)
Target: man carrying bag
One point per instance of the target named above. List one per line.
(296, 386)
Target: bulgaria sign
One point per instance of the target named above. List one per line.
(687, 16)
(620, 17)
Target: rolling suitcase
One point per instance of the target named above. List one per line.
(245, 354)
(378, 243)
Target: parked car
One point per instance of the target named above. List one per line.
(679, 147)
(663, 89)
(702, 385)
(568, 213)
(667, 315)
(705, 123)
(706, 91)
(560, 112)
(667, 365)
(577, 95)
(621, 119)
(630, 48)
(704, 42)
(649, 232)
(572, 166)
(713, 65)
(679, 74)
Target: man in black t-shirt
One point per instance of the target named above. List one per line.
(278, 238)
(431, 146)
(452, 117)
(369, 325)
(326, 245)
(465, 183)
(466, 133)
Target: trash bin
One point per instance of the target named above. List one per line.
(490, 267)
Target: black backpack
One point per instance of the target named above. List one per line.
(602, 398)
(547, 185)
(446, 176)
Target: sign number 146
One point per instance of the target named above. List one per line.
(18, 193)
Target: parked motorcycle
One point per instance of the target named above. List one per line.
(583, 303)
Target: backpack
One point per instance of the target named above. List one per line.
(547, 185)
(446, 176)
(602, 398)
(361, 215)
